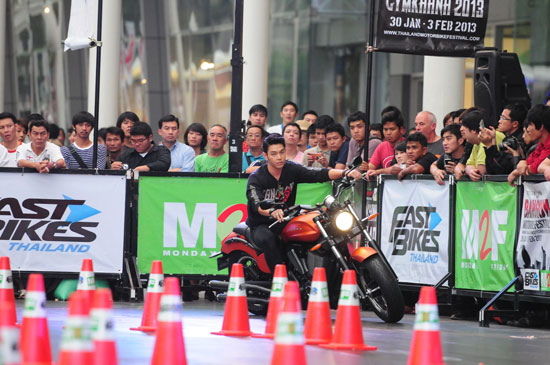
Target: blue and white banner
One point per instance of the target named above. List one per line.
(50, 222)
(415, 229)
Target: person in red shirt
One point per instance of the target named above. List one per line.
(538, 129)
(394, 129)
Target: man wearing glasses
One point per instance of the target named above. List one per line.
(145, 156)
(39, 154)
(502, 158)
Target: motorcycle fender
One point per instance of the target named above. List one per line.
(363, 253)
(230, 246)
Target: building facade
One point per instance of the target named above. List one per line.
(175, 58)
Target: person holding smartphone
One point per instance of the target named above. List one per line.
(453, 147)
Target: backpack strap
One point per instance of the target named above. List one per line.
(77, 157)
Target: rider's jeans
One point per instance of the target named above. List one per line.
(267, 239)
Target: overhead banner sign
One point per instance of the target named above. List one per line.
(485, 234)
(50, 222)
(182, 221)
(533, 248)
(415, 230)
(436, 27)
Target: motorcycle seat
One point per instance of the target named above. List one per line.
(243, 230)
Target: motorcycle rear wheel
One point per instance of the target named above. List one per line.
(251, 273)
(386, 300)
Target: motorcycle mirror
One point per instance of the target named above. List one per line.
(267, 204)
(356, 162)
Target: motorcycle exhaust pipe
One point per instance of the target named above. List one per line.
(251, 300)
(224, 285)
(218, 285)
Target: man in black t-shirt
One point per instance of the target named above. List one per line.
(277, 179)
(453, 145)
(419, 157)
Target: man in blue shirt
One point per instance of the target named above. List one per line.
(254, 139)
(338, 146)
(183, 156)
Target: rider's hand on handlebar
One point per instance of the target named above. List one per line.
(278, 214)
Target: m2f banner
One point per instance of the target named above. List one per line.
(415, 230)
(436, 27)
(182, 221)
(485, 234)
(50, 222)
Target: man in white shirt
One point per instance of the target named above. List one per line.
(8, 132)
(39, 154)
(288, 114)
(4, 158)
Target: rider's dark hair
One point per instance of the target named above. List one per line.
(272, 139)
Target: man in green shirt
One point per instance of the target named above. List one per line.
(216, 160)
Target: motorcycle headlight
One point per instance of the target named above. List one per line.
(343, 221)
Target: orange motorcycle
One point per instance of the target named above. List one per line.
(327, 231)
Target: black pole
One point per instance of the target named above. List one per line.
(368, 101)
(97, 74)
(236, 125)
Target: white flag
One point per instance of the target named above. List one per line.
(82, 24)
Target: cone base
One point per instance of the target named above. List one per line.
(265, 335)
(344, 346)
(317, 341)
(234, 333)
(144, 329)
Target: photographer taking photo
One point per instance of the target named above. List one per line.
(503, 158)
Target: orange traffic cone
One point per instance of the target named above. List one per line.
(6, 287)
(289, 340)
(9, 337)
(86, 280)
(169, 345)
(275, 302)
(152, 299)
(235, 315)
(426, 343)
(35, 337)
(318, 327)
(348, 331)
(76, 344)
(102, 328)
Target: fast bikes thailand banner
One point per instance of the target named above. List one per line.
(50, 222)
(182, 221)
(533, 248)
(437, 27)
(485, 234)
(415, 229)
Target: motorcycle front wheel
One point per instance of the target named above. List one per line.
(386, 297)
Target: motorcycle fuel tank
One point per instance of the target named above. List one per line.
(301, 229)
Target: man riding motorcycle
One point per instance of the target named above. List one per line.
(277, 180)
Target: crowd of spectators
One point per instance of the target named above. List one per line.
(468, 145)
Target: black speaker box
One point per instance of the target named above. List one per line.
(498, 81)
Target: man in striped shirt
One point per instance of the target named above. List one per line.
(79, 155)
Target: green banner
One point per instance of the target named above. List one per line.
(182, 220)
(485, 234)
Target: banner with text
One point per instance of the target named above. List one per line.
(50, 222)
(182, 221)
(485, 234)
(533, 249)
(437, 27)
(415, 230)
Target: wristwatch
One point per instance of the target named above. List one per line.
(344, 173)
(272, 210)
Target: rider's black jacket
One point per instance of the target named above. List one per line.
(262, 185)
